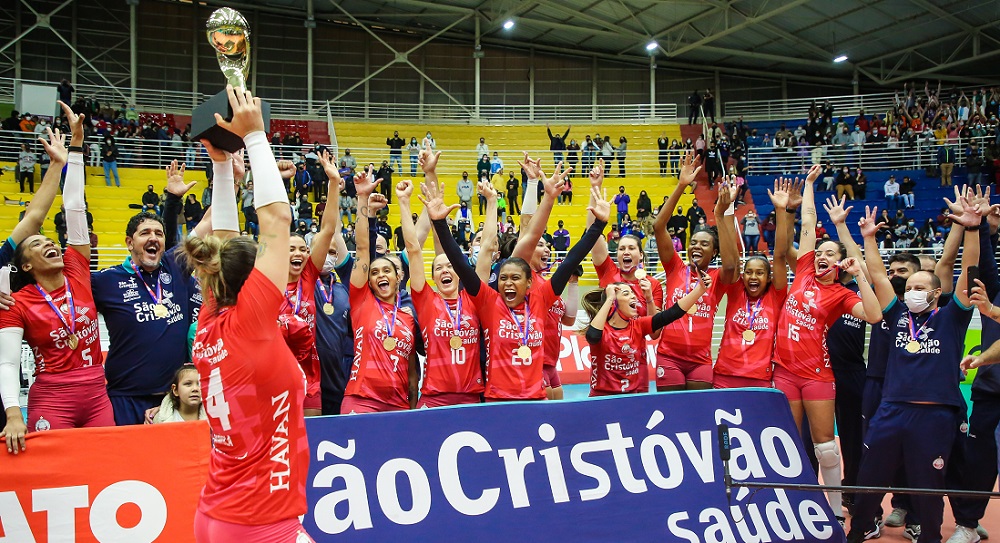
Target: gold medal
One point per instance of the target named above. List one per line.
(455, 342)
(328, 308)
(913, 347)
(389, 343)
(640, 274)
(160, 311)
(749, 336)
(524, 352)
(73, 341)
(693, 310)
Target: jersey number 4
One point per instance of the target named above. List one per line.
(215, 401)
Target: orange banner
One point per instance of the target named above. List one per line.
(137, 483)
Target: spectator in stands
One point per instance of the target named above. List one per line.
(13, 122)
(709, 104)
(946, 163)
(482, 148)
(663, 145)
(974, 162)
(694, 213)
(860, 184)
(675, 156)
(573, 156)
(303, 181)
(622, 146)
(109, 157)
(607, 154)
(679, 222)
(305, 210)
(768, 227)
(622, 201)
(842, 138)
(192, 212)
(206, 195)
(845, 183)
(483, 167)
(428, 142)
(349, 160)
(557, 143)
(906, 192)
(512, 197)
(348, 208)
(891, 191)
(150, 200)
(644, 212)
(694, 107)
(28, 123)
(589, 152)
(751, 231)
(26, 168)
(501, 207)
(496, 165)
(395, 144)
(560, 239)
(385, 186)
(464, 189)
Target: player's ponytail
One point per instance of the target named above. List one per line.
(221, 266)
(592, 302)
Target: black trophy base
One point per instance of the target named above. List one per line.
(203, 126)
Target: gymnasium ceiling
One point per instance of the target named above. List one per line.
(886, 41)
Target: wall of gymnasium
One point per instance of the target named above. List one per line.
(172, 49)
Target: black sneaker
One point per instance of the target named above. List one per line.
(912, 532)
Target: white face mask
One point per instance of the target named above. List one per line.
(475, 255)
(329, 264)
(916, 301)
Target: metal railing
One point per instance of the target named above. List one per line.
(182, 102)
(870, 156)
(798, 108)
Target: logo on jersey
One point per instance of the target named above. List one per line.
(964, 428)
(165, 278)
(938, 463)
(660, 372)
(42, 425)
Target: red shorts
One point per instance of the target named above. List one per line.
(210, 530)
(550, 377)
(734, 381)
(313, 401)
(353, 405)
(671, 372)
(72, 399)
(444, 400)
(798, 389)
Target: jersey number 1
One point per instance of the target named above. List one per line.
(215, 401)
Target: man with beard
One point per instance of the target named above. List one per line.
(149, 301)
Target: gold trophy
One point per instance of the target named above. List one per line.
(229, 34)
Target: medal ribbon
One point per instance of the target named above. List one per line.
(298, 298)
(456, 319)
(322, 289)
(915, 335)
(526, 329)
(753, 314)
(71, 325)
(158, 295)
(389, 328)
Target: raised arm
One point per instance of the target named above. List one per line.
(368, 206)
(438, 211)
(838, 216)
(945, 267)
(873, 259)
(532, 232)
(414, 252)
(41, 202)
(485, 261)
(868, 309)
(970, 220)
(807, 237)
(74, 200)
(225, 219)
(690, 167)
(781, 200)
(601, 211)
(328, 225)
(729, 250)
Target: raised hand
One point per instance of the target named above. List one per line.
(217, 155)
(404, 189)
(247, 117)
(175, 180)
(647, 287)
(780, 195)
(286, 168)
(364, 185)
(690, 167)
(597, 174)
(813, 174)
(725, 198)
(55, 146)
(376, 202)
(554, 185)
(838, 213)
(869, 224)
(954, 206)
(993, 217)
(433, 199)
(601, 208)
(851, 266)
(239, 166)
(611, 292)
(795, 194)
(75, 125)
(979, 299)
(428, 160)
(487, 190)
(532, 166)
(971, 216)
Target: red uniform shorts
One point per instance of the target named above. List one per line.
(71, 399)
(353, 405)
(734, 381)
(671, 372)
(443, 400)
(550, 377)
(210, 530)
(801, 389)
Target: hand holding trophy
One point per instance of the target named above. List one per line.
(229, 34)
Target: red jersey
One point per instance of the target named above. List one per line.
(508, 375)
(807, 315)
(616, 362)
(378, 373)
(737, 356)
(689, 338)
(609, 273)
(301, 294)
(448, 370)
(46, 333)
(552, 338)
(253, 390)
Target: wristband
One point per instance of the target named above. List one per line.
(971, 228)
(75, 148)
(790, 210)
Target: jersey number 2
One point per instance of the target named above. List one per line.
(215, 401)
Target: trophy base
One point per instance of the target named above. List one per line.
(203, 126)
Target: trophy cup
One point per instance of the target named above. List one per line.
(229, 34)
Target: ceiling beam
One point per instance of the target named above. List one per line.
(914, 47)
(964, 26)
(747, 21)
(592, 19)
(825, 65)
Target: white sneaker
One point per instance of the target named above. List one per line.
(964, 535)
(982, 532)
(896, 519)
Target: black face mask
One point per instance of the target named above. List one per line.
(898, 286)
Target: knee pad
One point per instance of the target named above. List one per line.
(827, 453)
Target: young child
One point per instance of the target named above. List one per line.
(183, 403)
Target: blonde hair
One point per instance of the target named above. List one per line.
(221, 266)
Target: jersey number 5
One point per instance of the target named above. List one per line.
(215, 400)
